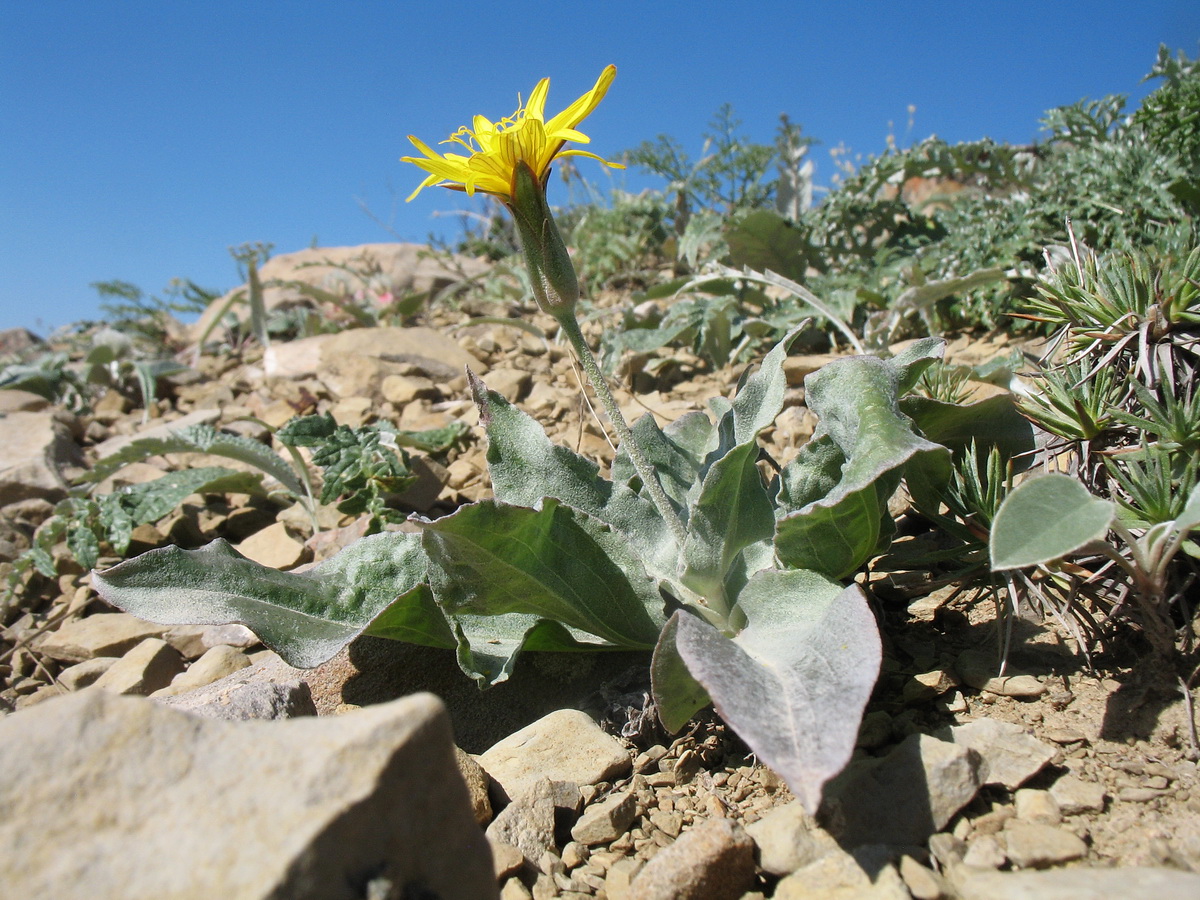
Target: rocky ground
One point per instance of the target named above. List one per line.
(1056, 780)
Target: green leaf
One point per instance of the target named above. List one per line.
(151, 500)
(306, 431)
(306, 617)
(731, 512)
(914, 359)
(358, 464)
(990, 423)
(676, 454)
(488, 646)
(833, 497)
(794, 683)
(677, 695)
(837, 538)
(1190, 517)
(766, 240)
(555, 563)
(203, 439)
(759, 397)
(432, 440)
(525, 467)
(1046, 518)
(83, 544)
(993, 422)
(258, 308)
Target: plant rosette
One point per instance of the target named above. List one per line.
(734, 580)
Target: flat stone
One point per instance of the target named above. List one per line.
(527, 824)
(214, 665)
(269, 689)
(13, 400)
(143, 670)
(986, 851)
(838, 876)
(37, 450)
(506, 859)
(1010, 755)
(565, 745)
(109, 796)
(1078, 884)
(514, 890)
(1033, 846)
(797, 368)
(401, 389)
(928, 685)
(712, 861)
(193, 641)
(978, 669)
(476, 781)
(947, 849)
(904, 797)
(1038, 807)
(422, 348)
(1074, 795)
(293, 360)
(275, 548)
(511, 384)
(604, 822)
(787, 839)
(83, 674)
(922, 882)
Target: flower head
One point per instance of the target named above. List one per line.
(497, 147)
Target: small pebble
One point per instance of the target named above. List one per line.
(1037, 846)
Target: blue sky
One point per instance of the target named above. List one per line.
(139, 140)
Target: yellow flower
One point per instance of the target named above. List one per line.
(497, 147)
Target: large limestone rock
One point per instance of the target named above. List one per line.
(107, 796)
(37, 452)
(904, 797)
(14, 340)
(360, 362)
(399, 269)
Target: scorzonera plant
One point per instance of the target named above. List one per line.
(734, 580)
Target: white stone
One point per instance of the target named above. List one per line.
(527, 824)
(1075, 796)
(1011, 756)
(565, 745)
(1036, 846)
(269, 689)
(907, 795)
(787, 839)
(145, 669)
(604, 822)
(274, 547)
(1038, 807)
(1078, 884)
(103, 634)
(214, 665)
(110, 796)
(712, 861)
(37, 451)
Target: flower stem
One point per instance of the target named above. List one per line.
(649, 477)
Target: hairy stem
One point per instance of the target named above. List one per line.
(649, 477)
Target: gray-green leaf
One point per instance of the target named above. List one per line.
(1047, 518)
(306, 617)
(793, 684)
